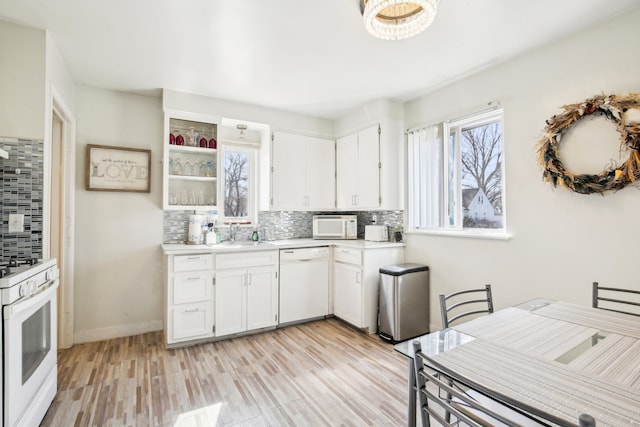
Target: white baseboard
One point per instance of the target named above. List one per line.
(117, 331)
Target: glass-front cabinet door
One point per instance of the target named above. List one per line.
(190, 167)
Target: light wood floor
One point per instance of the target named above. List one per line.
(322, 373)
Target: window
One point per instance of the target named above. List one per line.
(456, 175)
(238, 183)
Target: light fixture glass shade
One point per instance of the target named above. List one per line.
(397, 19)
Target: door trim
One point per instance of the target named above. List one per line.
(67, 214)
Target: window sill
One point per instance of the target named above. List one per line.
(472, 234)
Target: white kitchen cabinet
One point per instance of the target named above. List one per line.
(262, 297)
(190, 165)
(302, 172)
(348, 303)
(246, 292)
(358, 170)
(356, 283)
(231, 297)
(189, 297)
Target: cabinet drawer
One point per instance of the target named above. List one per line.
(192, 287)
(348, 256)
(192, 321)
(246, 259)
(194, 262)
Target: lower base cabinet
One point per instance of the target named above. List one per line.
(356, 277)
(189, 297)
(348, 303)
(246, 292)
(209, 296)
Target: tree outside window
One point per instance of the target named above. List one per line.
(236, 183)
(481, 167)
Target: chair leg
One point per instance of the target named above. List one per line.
(447, 414)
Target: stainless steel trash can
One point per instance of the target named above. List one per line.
(403, 302)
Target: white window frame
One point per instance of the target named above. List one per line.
(428, 150)
(252, 214)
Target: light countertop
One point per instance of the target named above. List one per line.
(245, 246)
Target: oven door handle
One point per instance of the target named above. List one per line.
(43, 293)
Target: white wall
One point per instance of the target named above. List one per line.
(22, 81)
(561, 241)
(118, 274)
(58, 77)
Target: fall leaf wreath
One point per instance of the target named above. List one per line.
(613, 178)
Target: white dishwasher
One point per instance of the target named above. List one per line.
(304, 284)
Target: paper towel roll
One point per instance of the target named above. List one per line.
(195, 229)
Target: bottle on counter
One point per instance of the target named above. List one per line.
(254, 236)
(210, 236)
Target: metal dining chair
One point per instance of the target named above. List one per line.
(453, 400)
(616, 299)
(477, 299)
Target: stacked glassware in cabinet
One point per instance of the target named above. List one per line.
(192, 166)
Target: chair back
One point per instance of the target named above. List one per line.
(620, 300)
(453, 400)
(476, 301)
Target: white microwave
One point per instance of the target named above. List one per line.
(339, 227)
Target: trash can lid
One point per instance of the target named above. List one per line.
(400, 269)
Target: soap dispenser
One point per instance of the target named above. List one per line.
(254, 235)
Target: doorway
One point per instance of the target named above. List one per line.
(61, 213)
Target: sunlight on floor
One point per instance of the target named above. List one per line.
(203, 417)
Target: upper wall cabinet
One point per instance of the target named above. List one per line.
(358, 170)
(302, 173)
(368, 168)
(190, 166)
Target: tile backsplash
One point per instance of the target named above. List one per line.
(276, 225)
(21, 192)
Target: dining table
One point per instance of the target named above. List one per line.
(561, 358)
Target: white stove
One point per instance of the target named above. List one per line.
(28, 298)
(21, 279)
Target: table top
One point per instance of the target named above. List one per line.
(563, 358)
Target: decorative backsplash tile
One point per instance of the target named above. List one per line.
(176, 226)
(276, 225)
(392, 219)
(21, 192)
(281, 225)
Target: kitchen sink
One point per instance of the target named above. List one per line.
(243, 244)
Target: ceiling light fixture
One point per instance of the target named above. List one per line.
(397, 19)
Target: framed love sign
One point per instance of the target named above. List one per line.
(118, 169)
